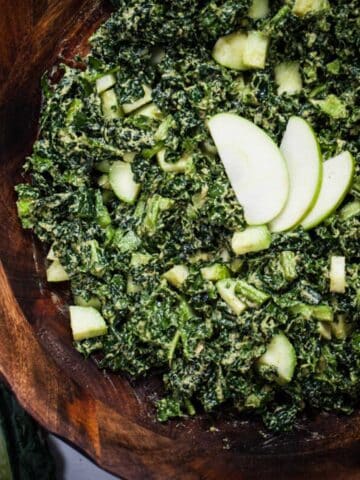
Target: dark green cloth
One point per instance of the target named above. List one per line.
(23, 450)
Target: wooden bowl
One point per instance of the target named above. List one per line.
(106, 415)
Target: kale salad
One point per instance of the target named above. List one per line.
(197, 183)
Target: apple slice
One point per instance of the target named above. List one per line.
(338, 175)
(122, 182)
(254, 165)
(281, 356)
(86, 322)
(304, 162)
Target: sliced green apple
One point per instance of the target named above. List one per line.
(337, 179)
(177, 275)
(226, 289)
(215, 272)
(56, 272)
(254, 165)
(241, 50)
(146, 98)
(259, 9)
(252, 239)
(288, 78)
(105, 82)
(228, 50)
(281, 356)
(86, 322)
(304, 162)
(122, 182)
(110, 106)
(304, 7)
(337, 274)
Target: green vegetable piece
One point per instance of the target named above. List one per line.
(318, 312)
(303, 7)
(122, 182)
(259, 9)
(172, 346)
(105, 82)
(236, 264)
(288, 78)
(149, 111)
(103, 166)
(183, 164)
(332, 106)
(139, 259)
(241, 50)
(146, 98)
(185, 311)
(168, 408)
(95, 256)
(56, 272)
(337, 274)
(110, 106)
(215, 272)
(251, 293)
(226, 289)
(91, 302)
(350, 210)
(189, 407)
(208, 146)
(177, 275)
(200, 257)
(199, 199)
(255, 50)
(302, 309)
(107, 196)
(102, 213)
(324, 330)
(155, 205)
(334, 67)
(252, 239)
(288, 265)
(157, 56)
(280, 355)
(5, 468)
(51, 254)
(131, 287)
(323, 312)
(340, 329)
(75, 107)
(103, 182)
(24, 209)
(86, 322)
(129, 156)
(128, 242)
(229, 50)
(355, 187)
(163, 129)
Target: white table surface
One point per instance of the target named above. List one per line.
(72, 465)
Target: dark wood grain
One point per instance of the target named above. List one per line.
(108, 416)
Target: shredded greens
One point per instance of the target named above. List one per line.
(116, 252)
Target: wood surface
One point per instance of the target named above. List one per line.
(108, 416)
